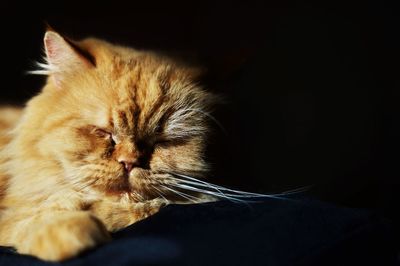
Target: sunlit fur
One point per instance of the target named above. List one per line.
(62, 185)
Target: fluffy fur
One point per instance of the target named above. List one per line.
(99, 148)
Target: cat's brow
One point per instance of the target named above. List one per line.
(123, 122)
(136, 111)
(154, 112)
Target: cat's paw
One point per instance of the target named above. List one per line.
(148, 208)
(65, 237)
(156, 205)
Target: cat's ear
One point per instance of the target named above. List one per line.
(64, 57)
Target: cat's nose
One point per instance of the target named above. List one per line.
(128, 164)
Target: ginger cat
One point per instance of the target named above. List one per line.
(104, 144)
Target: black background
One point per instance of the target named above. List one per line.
(311, 88)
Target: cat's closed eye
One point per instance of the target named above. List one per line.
(103, 133)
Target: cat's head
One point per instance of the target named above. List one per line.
(115, 119)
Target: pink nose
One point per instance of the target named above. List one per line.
(128, 164)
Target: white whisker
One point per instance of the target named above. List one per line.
(216, 194)
(201, 184)
(220, 187)
(183, 182)
(159, 192)
(183, 195)
(234, 193)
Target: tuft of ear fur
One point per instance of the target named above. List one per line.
(63, 57)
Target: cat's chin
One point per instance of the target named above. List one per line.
(138, 182)
(121, 186)
(139, 179)
(144, 183)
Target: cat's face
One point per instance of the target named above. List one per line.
(117, 120)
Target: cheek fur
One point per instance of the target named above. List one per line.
(88, 162)
(89, 146)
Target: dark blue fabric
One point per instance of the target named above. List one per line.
(270, 232)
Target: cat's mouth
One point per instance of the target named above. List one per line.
(144, 184)
(138, 182)
(119, 187)
(150, 185)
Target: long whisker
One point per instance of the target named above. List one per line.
(183, 195)
(188, 180)
(219, 190)
(216, 186)
(201, 184)
(184, 182)
(215, 194)
(159, 192)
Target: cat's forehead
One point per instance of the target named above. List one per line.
(136, 90)
(137, 102)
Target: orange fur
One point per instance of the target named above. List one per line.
(65, 167)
